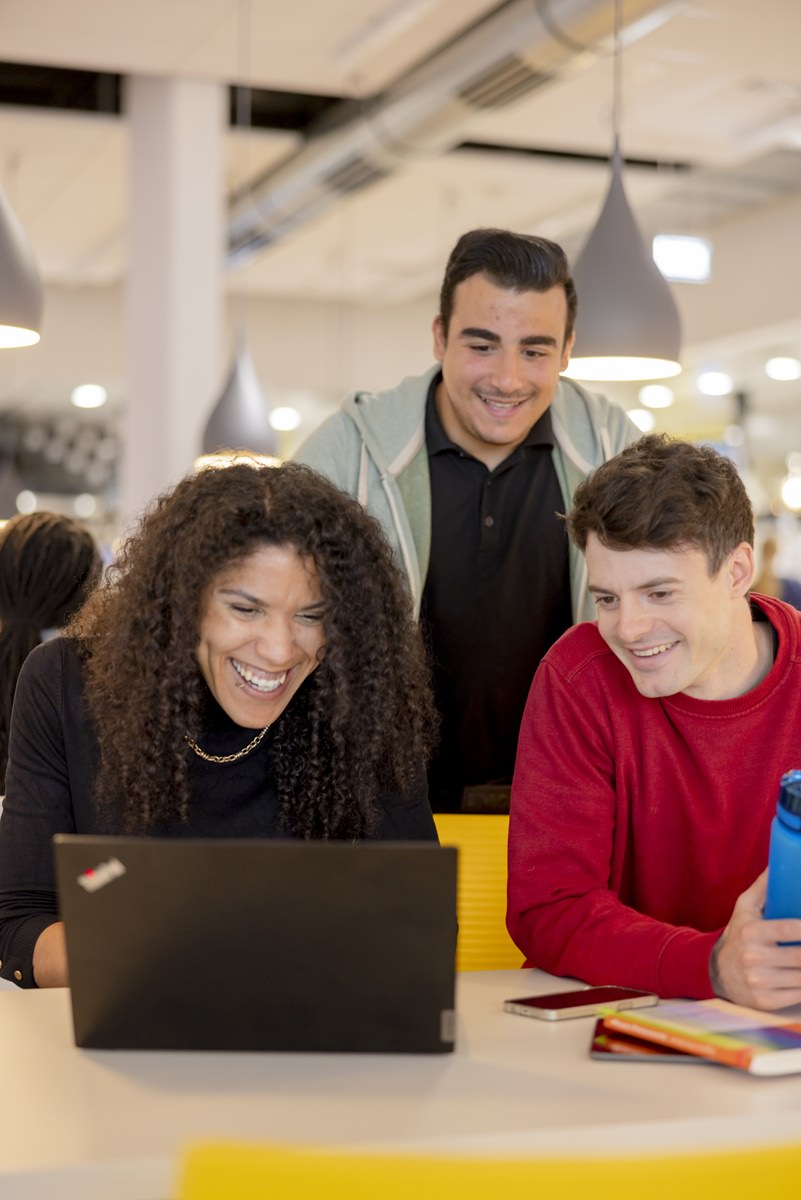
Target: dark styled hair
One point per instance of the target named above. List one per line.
(660, 493)
(364, 720)
(48, 565)
(517, 261)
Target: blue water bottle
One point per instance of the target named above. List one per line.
(784, 861)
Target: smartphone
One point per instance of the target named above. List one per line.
(618, 1047)
(586, 1002)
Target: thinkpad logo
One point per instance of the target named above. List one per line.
(97, 877)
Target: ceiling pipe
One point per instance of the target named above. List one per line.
(522, 46)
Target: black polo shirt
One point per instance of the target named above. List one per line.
(496, 596)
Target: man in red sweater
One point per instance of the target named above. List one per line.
(653, 742)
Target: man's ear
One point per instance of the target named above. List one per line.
(741, 566)
(438, 330)
(567, 350)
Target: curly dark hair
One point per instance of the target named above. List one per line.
(48, 565)
(364, 721)
(662, 493)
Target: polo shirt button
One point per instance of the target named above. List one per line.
(489, 522)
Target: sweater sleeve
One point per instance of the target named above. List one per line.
(569, 839)
(622, 430)
(37, 805)
(407, 816)
(333, 450)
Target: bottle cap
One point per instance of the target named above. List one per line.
(790, 792)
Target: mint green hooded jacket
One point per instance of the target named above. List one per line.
(374, 448)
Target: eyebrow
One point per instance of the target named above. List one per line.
(241, 593)
(487, 335)
(660, 581)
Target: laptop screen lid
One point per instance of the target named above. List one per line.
(207, 944)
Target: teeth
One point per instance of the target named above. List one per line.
(257, 681)
(501, 405)
(653, 650)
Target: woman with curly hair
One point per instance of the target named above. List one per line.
(48, 565)
(251, 668)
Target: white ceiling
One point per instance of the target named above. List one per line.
(713, 85)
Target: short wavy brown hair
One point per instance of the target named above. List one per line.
(662, 493)
(365, 722)
(518, 262)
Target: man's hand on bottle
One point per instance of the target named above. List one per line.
(749, 965)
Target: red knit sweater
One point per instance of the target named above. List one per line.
(636, 823)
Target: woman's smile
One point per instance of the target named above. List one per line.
(262, 681)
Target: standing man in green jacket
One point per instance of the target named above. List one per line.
(468, 468)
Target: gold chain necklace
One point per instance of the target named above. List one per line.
(226, 758)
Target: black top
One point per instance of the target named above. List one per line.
(49, 789)
(496, 597)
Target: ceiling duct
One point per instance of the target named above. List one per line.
(353, 175)
(521, 46)
(502, 84)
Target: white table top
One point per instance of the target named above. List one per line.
(91, 1124)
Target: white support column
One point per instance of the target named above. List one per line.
(175, 279)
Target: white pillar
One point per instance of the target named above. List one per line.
(175, 279)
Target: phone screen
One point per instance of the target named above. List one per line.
(580, 998)
(583, 1002)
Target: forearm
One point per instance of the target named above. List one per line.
(50, 957)
(596, 938)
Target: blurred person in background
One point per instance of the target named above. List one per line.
(770, 583)
(49, 563)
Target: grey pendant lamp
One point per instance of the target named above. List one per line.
(20, 283)
(240, 419)
(239, 426)
(628, 324)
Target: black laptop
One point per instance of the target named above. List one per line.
(207, 944)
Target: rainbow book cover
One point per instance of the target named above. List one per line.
(759, 1042)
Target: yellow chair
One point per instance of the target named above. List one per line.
(244, 1172)
(483, 943)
